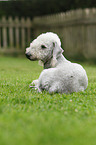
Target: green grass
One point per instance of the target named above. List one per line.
(30, 118)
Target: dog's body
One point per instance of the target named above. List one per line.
(59, 75)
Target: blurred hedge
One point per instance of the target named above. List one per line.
(33, 8)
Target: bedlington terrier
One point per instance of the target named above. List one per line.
(59, 74)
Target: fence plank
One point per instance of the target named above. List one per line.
(28, 33)
(29, 25)
(17, 38)
(11, 36)
(4, 37)
(23, 38)
(4, 32)
(17, 33)
(23, 33)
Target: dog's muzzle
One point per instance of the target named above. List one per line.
(30, 57)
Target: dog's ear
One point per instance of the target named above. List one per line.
(57, 51)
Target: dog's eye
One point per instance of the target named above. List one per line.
(43, 46)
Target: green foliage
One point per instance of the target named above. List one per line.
(31, 118)
(33, 8)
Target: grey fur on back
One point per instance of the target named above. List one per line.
(59, 75)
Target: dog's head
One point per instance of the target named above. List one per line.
(45, 47)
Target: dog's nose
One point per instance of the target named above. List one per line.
(28, 55)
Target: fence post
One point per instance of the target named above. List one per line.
(4, 32)
(28, 24)
(22, 33)
(11, 40)
(17, 32)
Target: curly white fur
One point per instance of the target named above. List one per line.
(59, 75)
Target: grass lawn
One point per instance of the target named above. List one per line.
(30, 118)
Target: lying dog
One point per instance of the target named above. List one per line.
(59, 75)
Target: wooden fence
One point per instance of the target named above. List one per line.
(77, 30)
(15, 35)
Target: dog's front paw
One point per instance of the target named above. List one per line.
(35, 86)
(34, 83)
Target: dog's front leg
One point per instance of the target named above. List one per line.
(34, 84)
